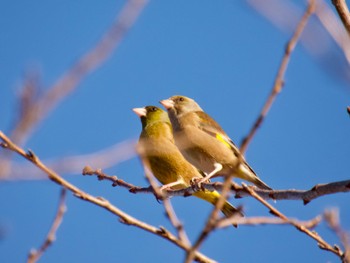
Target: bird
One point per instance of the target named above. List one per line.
(159, 154)
(205, 144)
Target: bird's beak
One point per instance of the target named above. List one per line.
(140, 111)
(167, 103)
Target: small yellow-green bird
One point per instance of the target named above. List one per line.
(204, 143)
(160, 155)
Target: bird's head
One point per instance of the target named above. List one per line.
(180, 105)
(151, 114)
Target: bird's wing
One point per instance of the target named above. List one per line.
(211, 127)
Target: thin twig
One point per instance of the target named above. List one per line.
(332, 218)
(35, 255)
(279, 81)
(321, 243)
(343, 12)
(114, 179)
(124, 217)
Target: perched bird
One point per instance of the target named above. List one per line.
(160, 155)
(204, 143)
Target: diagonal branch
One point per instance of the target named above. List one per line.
(279, 81)
(35, 255)
(320, 241)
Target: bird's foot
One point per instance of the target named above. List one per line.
(217, 168)
(196, 183)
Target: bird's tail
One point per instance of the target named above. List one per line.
(212, 197)
(259, 183)
(247, 173)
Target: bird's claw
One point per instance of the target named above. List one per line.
(164, 188)
(196, 183)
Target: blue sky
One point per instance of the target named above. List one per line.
(222, 54)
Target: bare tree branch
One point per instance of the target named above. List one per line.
(343, 12)
(279, 80)
(99, 201)
(35, 255)
(315, 192)
(305, 195)
(254, 221)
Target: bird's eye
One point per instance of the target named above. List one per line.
(181, 99)
(154, 109)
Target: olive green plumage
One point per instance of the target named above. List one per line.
(204, 143)
(160, 155)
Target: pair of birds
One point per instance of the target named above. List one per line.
(187, 143)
